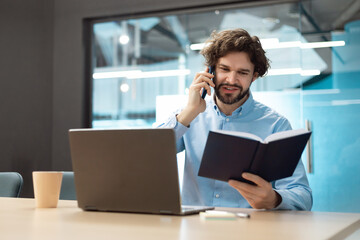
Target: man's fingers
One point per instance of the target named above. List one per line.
(246, 190)
(235, 183)
(260, 196)
(255, 179)
(254, 192)
(204, 77)
(200, 86)
(242, 187)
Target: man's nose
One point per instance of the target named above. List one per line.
(232, 77)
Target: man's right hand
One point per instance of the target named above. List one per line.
(196, 104)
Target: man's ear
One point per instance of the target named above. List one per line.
(255, 76)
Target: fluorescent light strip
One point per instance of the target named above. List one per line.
(345, 102)
(313, 72)
(283, 71)
(323, 44)
(321, 91)
(273, 43)
(292, 71)
(197, 46)
(140, 74)
(114, 74)
(137, 74)
(163, 73)
(301, 45)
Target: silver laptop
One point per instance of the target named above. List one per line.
(127, 171)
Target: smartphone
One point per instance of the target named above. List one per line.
(212, 71)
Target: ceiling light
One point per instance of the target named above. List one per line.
(197, 46)
(162, 73)
(291, 71)
(273, 43)
(124, 87)
(124, 39)
(293, 44)
(345, 102)
(323, 44)
(140, 74)
(114, 74)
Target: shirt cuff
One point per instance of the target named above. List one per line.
(173, 123)
(180, 129)
(285, 203)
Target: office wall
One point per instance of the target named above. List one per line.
(26, 43)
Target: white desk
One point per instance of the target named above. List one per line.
(20, 220)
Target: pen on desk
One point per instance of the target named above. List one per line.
(243, 215)
(225, 214)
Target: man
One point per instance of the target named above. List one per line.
(238, 60)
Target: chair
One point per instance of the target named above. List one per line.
(67, 191)
(10, 184)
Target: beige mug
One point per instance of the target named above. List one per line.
(47, 187)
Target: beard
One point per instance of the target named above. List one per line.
(229, 98)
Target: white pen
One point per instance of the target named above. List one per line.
(243, 215)
(215, 213)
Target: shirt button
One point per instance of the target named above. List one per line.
(227, 119)
(217, 195)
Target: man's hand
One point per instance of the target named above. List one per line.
(196, 104)
(259, 196)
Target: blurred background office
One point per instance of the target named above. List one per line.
(125, 64)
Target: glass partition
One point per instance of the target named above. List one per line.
(139, 60)
(144, 66)
(332, 105)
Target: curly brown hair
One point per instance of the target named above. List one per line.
(237, 40)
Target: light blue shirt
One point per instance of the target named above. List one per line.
(252, 117)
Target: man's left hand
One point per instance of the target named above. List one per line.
(259, 196)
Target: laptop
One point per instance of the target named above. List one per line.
(122, 170)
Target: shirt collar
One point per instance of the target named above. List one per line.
(243, 109)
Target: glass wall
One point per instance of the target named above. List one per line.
(138, 60)
(143, 68)
(332, 104)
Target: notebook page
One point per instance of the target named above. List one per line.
(239, 134)
(284, 134)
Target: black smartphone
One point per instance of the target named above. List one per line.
(212, 71)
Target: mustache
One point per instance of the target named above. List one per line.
(228, 85)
